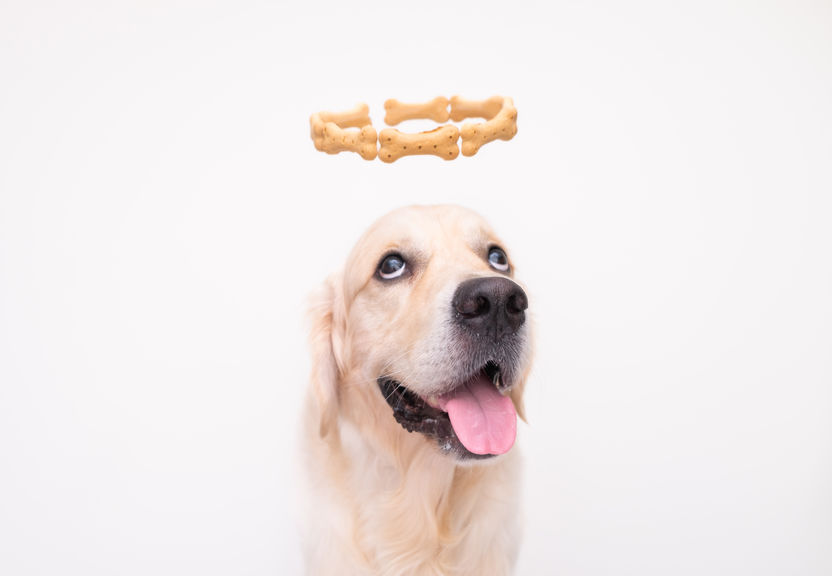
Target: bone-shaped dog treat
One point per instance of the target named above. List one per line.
(436, 110)
(329, 132)
(440, 142)
(335, 139)
(462, 108)
(354, 118)
(502, 126)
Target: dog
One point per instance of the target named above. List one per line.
(420, 355)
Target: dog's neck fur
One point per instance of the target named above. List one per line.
(402, 508)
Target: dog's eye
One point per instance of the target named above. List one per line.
(498, 259)
(391, 267)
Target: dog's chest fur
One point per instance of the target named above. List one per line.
(430, 517)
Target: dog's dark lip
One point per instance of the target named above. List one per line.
(415, 414)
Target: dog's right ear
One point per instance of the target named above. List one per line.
(325, 337)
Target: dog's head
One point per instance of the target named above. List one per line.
(424, 332)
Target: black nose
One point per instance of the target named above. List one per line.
(494, 306)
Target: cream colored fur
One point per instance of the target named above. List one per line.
(382, 501)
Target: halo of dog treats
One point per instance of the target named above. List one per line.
(353, 131)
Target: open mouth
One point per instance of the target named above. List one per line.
(476, 419)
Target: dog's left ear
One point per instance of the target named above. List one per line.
(325, 337)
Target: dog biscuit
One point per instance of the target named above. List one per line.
(462, 108)
(329, 131)
(436, 110)
(440, 142)
(502, 126)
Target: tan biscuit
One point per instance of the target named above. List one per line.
(440, 142)
(354, 118)
(502, 126)
(329, 132)
(363, 141)
(436, 110)
(462, 108)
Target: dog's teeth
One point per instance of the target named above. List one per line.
(498, 382)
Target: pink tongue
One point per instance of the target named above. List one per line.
(484, 420)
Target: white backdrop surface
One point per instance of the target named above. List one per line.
(163, 215)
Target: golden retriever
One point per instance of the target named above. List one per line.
(420, 353)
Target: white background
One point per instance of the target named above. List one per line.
(163, 215)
